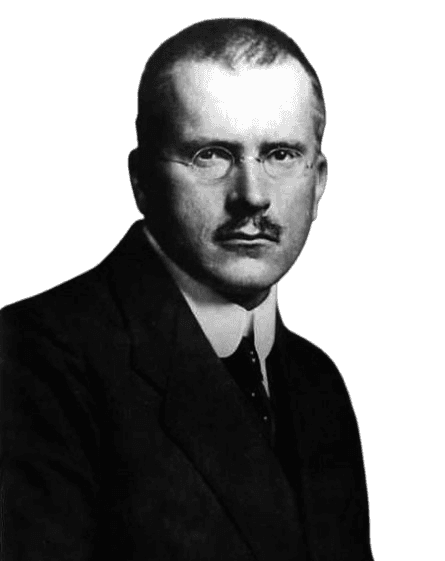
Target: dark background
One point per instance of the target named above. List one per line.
(368, 288)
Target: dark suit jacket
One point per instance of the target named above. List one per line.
(124, 437)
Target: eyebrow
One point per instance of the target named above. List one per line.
(193, 145)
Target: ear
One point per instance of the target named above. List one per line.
(136, 182)
(321, 177)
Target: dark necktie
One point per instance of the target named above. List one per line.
(244, 365)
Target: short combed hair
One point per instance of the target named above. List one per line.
(230, 41)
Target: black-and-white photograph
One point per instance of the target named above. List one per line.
(221, 288)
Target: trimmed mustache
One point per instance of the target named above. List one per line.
(265, 227)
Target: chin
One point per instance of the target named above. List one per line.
(245, 282)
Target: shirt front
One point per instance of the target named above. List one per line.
(225, 323)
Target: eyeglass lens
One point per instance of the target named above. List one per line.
(216, 162)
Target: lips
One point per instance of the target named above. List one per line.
(244, 236)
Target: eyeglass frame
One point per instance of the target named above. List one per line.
(235, 160)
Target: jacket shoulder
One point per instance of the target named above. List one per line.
(299, 349)
(84, 298)
(64, 309)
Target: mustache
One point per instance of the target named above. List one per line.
(265, 227)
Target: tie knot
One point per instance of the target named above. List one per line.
(247, 346)
(245, 364)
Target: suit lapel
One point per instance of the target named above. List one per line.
(207, 414)
(148, 300)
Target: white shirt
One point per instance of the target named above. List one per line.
(223, 322)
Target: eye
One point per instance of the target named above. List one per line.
(212, 156)
(283, 156)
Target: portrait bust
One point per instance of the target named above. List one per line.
(156, 406)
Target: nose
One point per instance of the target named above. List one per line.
(250, 190)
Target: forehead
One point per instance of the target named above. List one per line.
(244, 103)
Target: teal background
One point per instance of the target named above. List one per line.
(368, 288)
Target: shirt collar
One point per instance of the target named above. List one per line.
(223, 322)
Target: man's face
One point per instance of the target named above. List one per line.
(239, 234)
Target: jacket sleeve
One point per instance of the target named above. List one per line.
(49, 442)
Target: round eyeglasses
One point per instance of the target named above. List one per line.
(215, 162)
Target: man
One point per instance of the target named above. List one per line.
(156, 407)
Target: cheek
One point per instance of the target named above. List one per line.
(195, 212)
(295, 207)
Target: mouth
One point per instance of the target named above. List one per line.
(247, 236)
(252, 245)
